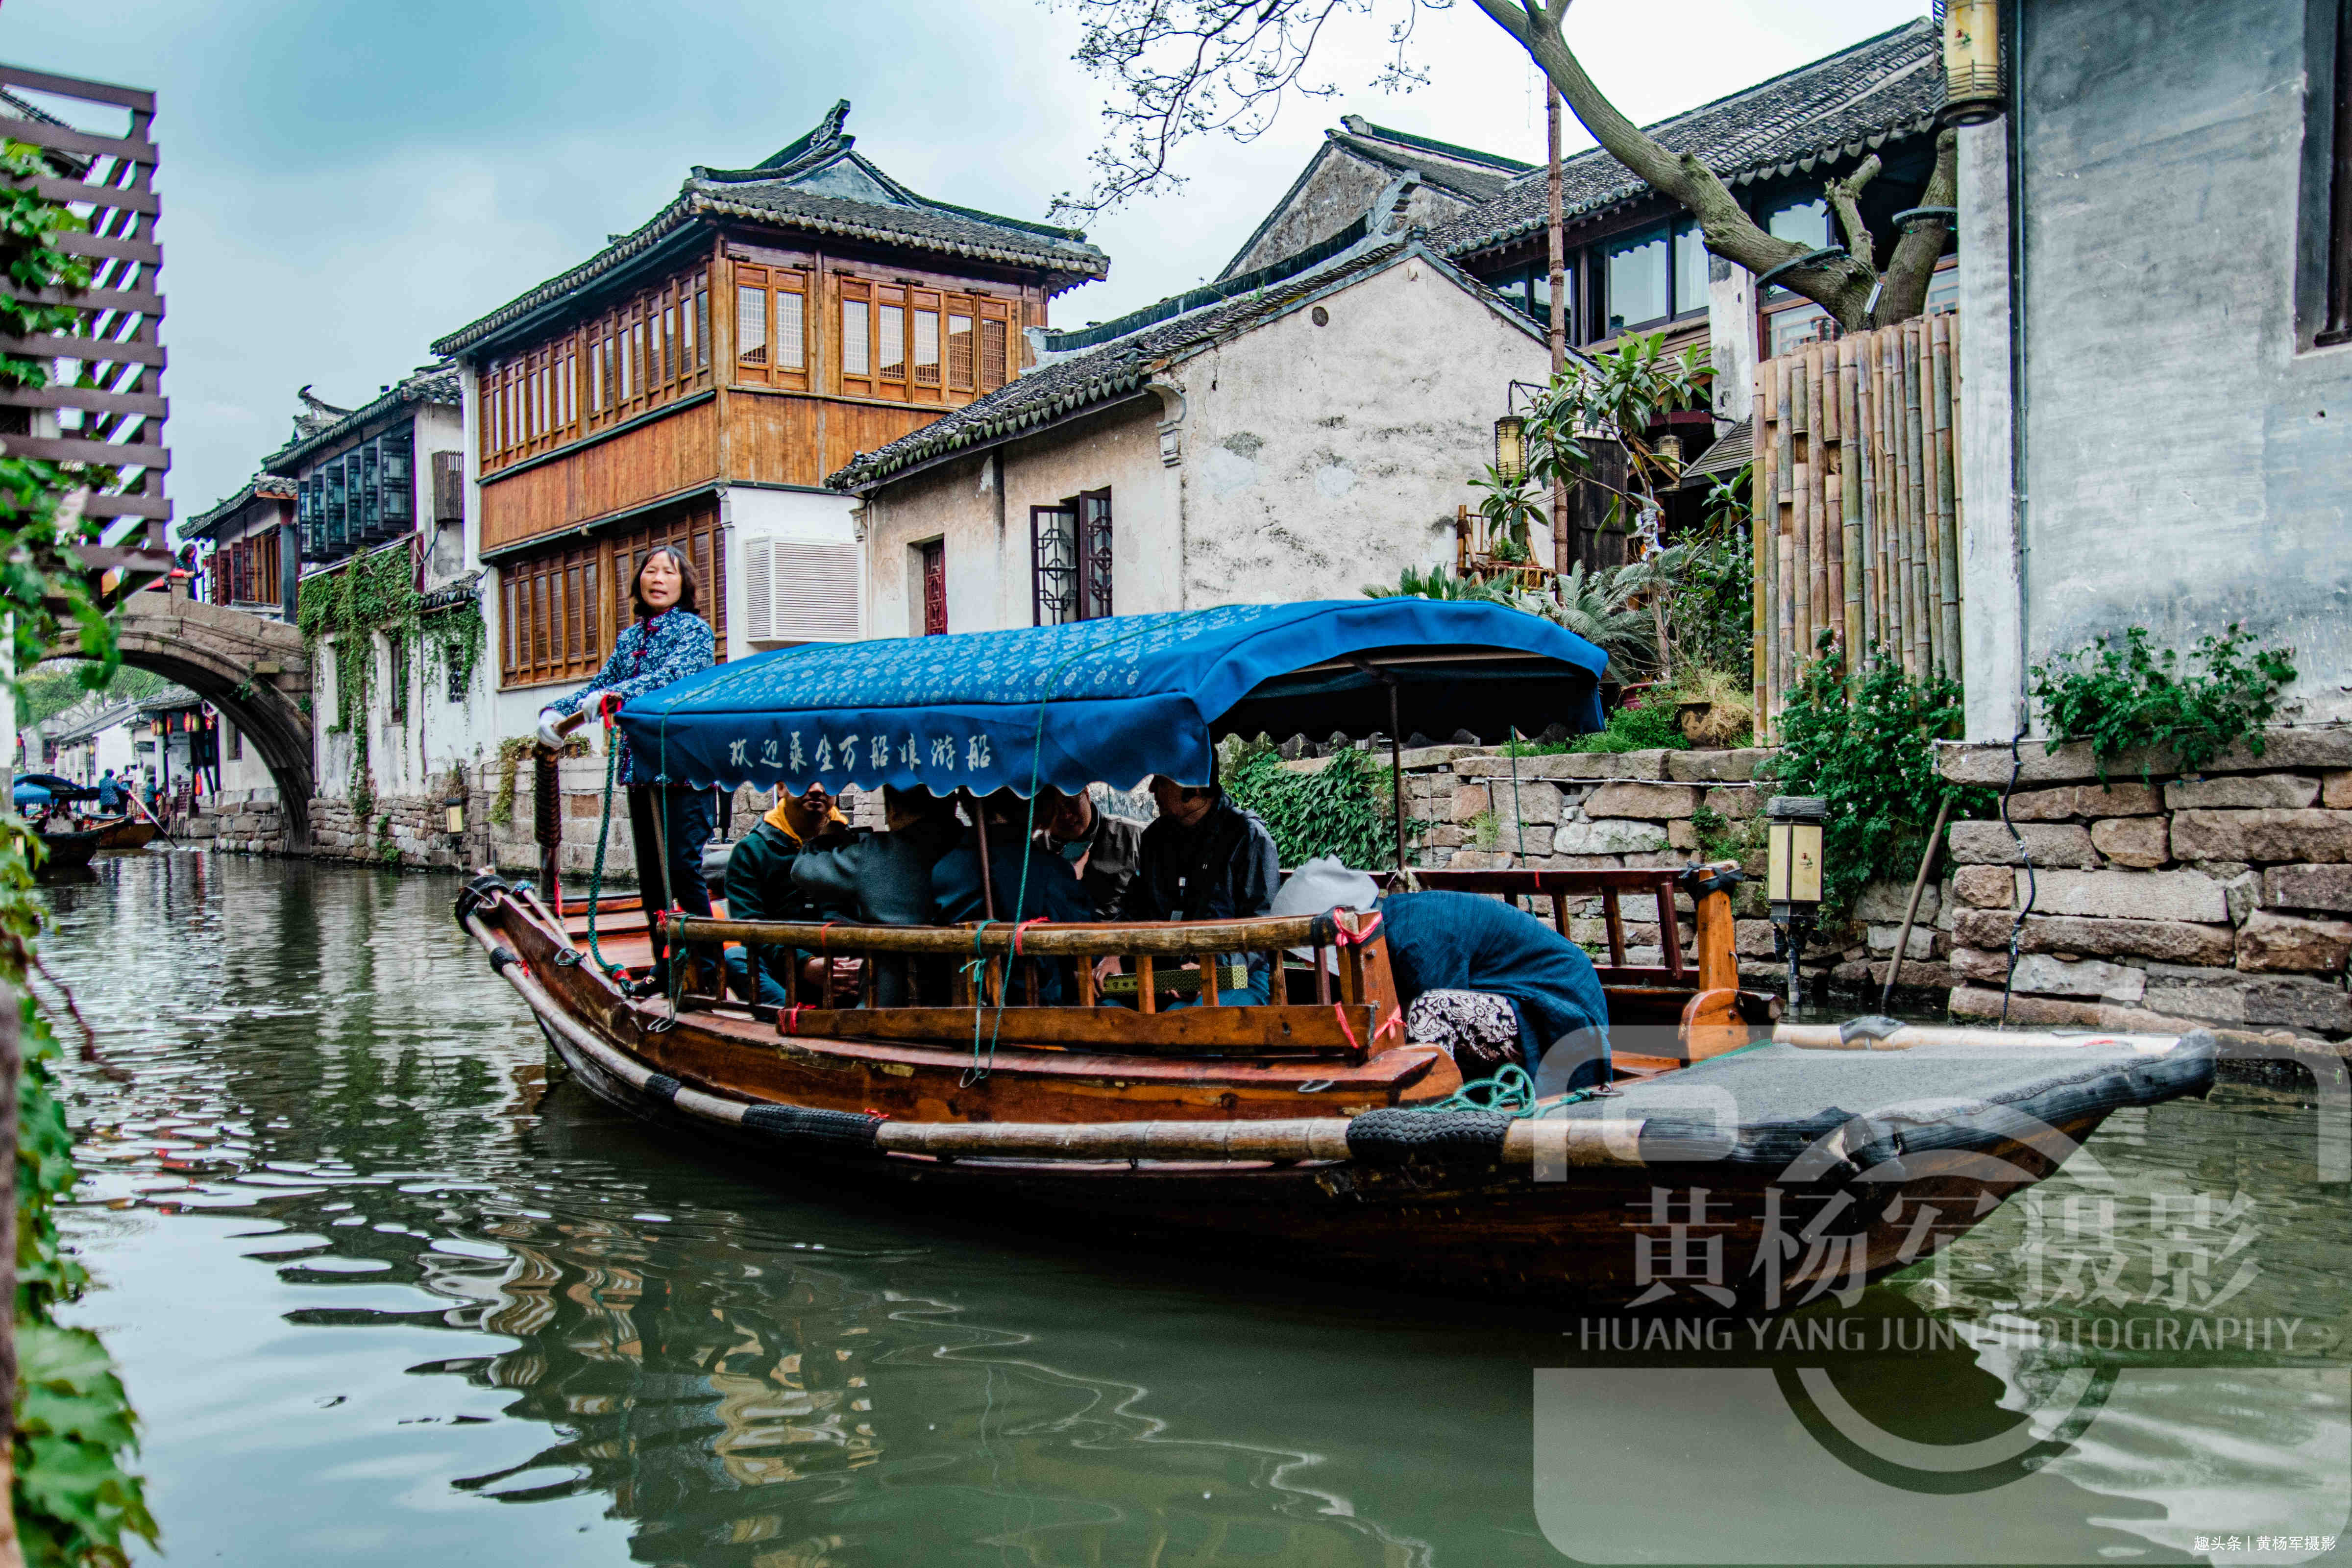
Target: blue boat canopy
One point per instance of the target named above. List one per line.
(1114, 699)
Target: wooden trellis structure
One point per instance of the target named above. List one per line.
(1858, 504)
(104, 404)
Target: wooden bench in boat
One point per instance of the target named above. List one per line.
(1340, 1003)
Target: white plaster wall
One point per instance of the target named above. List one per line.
(1317, 459)
(247, 772)
(980, 507)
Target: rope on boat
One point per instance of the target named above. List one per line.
(979, 1068)
(603, 832)
(1510, 1093)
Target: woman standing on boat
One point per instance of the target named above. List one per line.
(668, 642)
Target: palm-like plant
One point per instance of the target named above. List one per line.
(1596, 608)
(1436, 583)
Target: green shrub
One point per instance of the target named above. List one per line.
(2117, 697)
(1344, 808)
(1870, 753)
(1644, 727)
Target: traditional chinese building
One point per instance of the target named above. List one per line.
(1294, 433)
(695, 380)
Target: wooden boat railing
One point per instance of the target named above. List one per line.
(997, 976)
(1352, 1012)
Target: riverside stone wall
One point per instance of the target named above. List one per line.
(2158, 898)
(1598, 810)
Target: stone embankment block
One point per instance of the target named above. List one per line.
(2049, 843)
(2262, 835)
(2128, 895)
(2223, 898)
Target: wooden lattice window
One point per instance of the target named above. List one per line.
(922, 345)
(935, 588)
(650, 348)
(771, 345)
(1070, 559)
(560, 609)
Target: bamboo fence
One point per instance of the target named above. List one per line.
(1858, 505)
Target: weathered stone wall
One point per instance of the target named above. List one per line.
(2156, 897)
(1587, 811)
(251, 821)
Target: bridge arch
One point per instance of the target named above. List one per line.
(254, 671)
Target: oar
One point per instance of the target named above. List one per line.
(151, 817)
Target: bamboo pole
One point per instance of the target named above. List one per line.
(1801, 478)
(1784, 538)
(1850, 509)
(1914, 529)
(1890, 509)
(1930, 485)
(1818, 526)
(1864, 494)
(1890, 396)
(1946, 502)
(1760, 594)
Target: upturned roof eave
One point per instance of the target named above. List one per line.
(691, 205)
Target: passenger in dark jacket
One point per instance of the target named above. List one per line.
(760, 883)
(883, 879)
(1045, 888)
(1465, 942)
(1105, 848)
(1206, 860)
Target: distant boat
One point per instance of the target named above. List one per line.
(125, 832)
(70, 853)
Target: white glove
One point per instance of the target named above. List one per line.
(547, 734)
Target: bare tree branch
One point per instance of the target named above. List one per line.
(1844, 200)
(1180, 68)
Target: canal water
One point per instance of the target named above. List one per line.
(382, 1296)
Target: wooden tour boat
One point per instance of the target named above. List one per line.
(1728, 1165)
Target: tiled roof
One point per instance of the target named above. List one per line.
(1111, 372)
(1882, 89)
(817, 184)
(1464, 173)
(1475, 176)
(438, 383)
(1734, 452)
(275, 486)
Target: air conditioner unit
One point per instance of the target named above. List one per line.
(801, 590)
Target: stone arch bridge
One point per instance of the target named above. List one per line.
(253, 669)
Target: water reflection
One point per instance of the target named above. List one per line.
(382, 1294)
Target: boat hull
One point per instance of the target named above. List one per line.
(1782, 1218)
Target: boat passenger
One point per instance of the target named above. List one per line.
(883, 879)
(1103, 849)
(109, 794)
(668, 824)
(1205, 859)
(1488, 980)
(759, 883)
(1045, 888)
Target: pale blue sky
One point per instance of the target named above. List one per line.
(343, 182)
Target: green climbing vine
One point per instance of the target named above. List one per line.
(344, 607)
(74, 1499)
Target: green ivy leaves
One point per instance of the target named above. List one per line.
(2119, 696)
(1344, 808)
(1870, 753)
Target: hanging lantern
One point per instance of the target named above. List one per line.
(1792, 877)
(1511, 448)
(1670, 453)
(1972, 84)
(453, 816)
